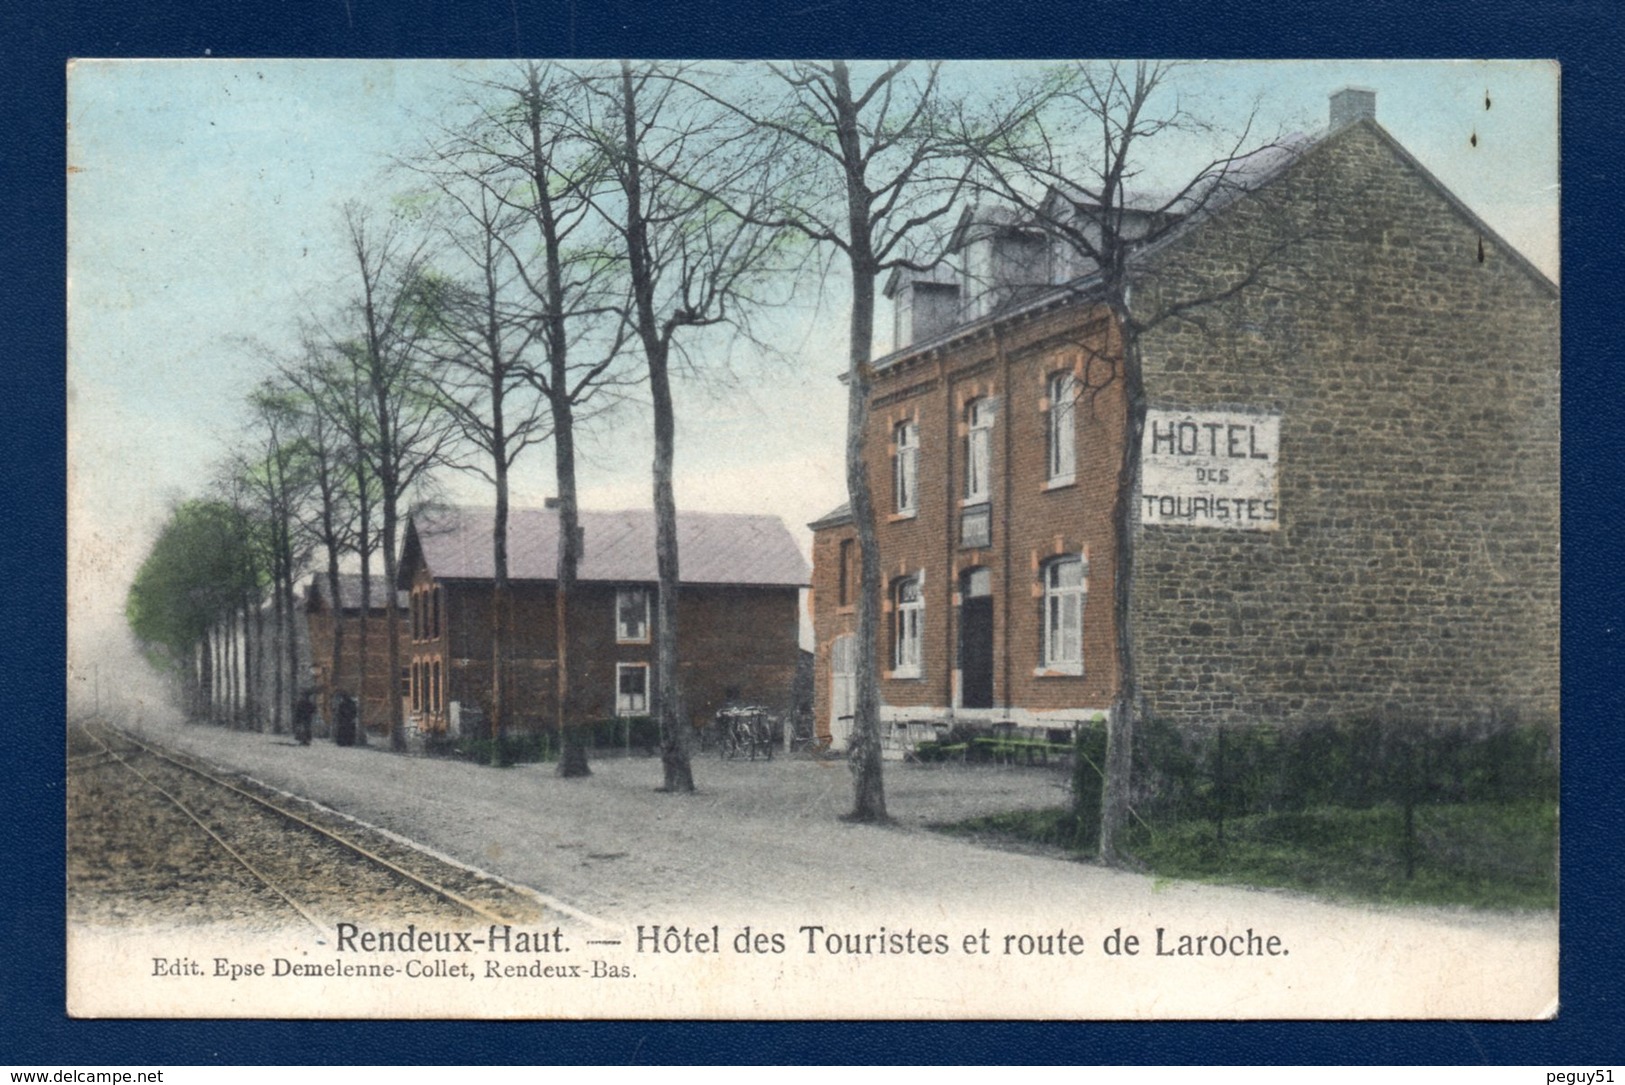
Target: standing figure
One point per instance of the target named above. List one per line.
(344, 730)
(303, 712)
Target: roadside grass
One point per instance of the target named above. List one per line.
(1484, 855)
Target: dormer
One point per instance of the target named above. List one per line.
(1003, 258)
(924, 304)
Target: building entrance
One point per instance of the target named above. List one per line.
(976, 639)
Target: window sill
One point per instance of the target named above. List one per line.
(897, 517)
(633, 640)
(974, 502)
(1059, 670)
(909, 673)
(1064, 483)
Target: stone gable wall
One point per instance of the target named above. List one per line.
(1414, 363)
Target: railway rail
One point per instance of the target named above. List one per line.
(274, 851)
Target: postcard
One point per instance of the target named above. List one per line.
(813, 539)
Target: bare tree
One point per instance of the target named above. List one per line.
(692, 261)
(404, 432)
(871, 168)
(479, 343)
(277, 472)
(332, 520)
(1079, 170)
(521, 181)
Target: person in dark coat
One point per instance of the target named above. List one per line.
(344, 730)
(304, 711)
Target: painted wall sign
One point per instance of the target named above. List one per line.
(1210, 469)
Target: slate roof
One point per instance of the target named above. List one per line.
(350, 591)
(712, 547)
(1240, 178)
(840, 514)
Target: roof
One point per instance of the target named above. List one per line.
(712, 547)
(840, 514)
(1237, 179)
(350, 591)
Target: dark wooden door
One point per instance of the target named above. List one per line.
(976, 652)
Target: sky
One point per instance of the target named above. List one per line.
(203, 217)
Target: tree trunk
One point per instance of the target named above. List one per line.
(295, 679)
(572, 750)
(863, 757)
(499, 599)
(233, 659)
(259, 666)
(675, 733)
(336, 661)
(362, 654)
(1114, 803)
(279, 637)
(397, 716)
(205, 680)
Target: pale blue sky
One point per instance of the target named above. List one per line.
(203, 208)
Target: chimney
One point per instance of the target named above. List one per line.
(550, 502)
(1353, 104)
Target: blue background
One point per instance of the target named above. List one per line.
(1586, 37)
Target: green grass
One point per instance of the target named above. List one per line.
(1498, 856)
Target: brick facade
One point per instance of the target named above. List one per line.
(738, 645)
(1031, 520)
(1412, 360)
(319, 620)
(737, 642)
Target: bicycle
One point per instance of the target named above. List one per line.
(744, 731)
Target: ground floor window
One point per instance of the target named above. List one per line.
(1064, 594)
(909, 614)
(631, 689)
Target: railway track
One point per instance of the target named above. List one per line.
(151, 832)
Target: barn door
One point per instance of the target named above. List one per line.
(843, 689)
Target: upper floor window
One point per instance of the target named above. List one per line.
(1062, 427)
(908, 614)
(906, 466)
(1065, 592)
(979, 450)
(632, 616)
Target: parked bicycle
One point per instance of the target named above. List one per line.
(744, 732)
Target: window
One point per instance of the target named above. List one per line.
(632, 616)
(906, 467)
(406, 682)
(1062, 427)
(1065, 591)
(908, 614)
(848, 573)
(631, 689)
(979, 450)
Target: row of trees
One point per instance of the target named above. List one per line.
(568, 231)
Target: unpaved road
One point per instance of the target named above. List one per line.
(762, 847)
